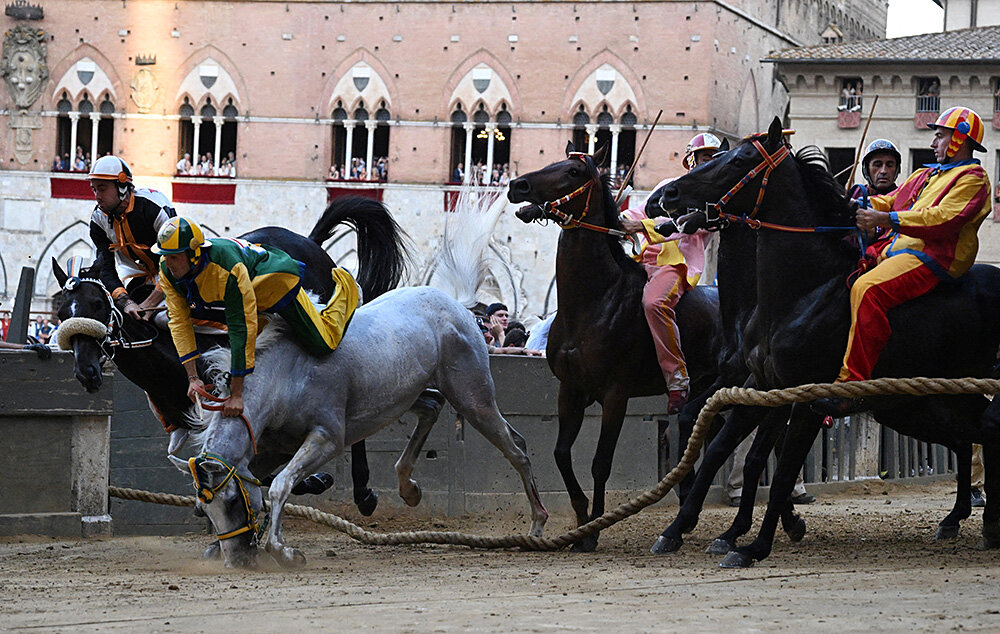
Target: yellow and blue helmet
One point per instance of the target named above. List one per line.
(178, 235)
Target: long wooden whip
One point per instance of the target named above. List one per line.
(628, 176)
(861, 145)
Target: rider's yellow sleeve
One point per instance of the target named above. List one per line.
(181, 328)
(241, 318)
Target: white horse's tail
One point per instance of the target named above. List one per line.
(461, 264)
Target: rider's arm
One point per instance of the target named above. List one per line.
(963, 203)
(106, 262)
(241, 319)
(181, 329)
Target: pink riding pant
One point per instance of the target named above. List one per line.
(663, 290)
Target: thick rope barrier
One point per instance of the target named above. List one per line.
(727, 396)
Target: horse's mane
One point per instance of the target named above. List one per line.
(826, 194)
(627, 264)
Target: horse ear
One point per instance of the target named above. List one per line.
(724, 146)
(774, 133)
(60, 274)
(599, 154)
(181, 464)
(570, 148)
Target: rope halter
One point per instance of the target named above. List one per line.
(207, 493)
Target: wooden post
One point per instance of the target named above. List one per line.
(18, 331)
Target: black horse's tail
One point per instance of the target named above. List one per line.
(382, 244)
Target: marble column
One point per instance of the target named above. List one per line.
(469, 128)
(349, 149)
(95, 121)
(591, 136)
(74, 119)
(195, 157)
(218, 121)
(491, 131)
(370, 128)
(615, 131)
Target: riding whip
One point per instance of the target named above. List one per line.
(864, 134)
(628, 176)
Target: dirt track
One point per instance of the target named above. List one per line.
(869, 561)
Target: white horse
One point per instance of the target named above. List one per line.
(310, 408)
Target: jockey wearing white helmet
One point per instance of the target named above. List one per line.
(700, 149)
(123, 227)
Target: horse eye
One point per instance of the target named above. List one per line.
(574, 172)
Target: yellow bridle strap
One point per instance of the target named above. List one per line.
(206, 494)
(238, 531)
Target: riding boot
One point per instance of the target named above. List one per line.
(676, 400)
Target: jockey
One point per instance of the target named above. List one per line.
(673, 264)
(933, 220)
(123, 227)
(245, 279)
(880, 167)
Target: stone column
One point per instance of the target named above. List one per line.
(491, 131)
(218, 140)
(370, 127)
(74, 119)
(469, 127)
(615, 131)
(348, 150)
(195, 156)
(95, 121)
(591, 136)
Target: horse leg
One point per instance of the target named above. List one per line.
(612, 416)
(802, 430)
(756, 459)
(948, 528)
(742, 421)
(991, 514)
(685, 425)
(571, 406)
(427, 408)
(364, 498)
(317, 449)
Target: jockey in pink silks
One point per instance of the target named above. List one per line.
(673, 263)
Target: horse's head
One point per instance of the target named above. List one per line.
(86, 315)
(231, 499)
(716, 184)
(572, 187)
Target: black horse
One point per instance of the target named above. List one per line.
(156, 369)
(600, 347)
(802, 319)
(737, 284)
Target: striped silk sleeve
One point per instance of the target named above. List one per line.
(959, 206)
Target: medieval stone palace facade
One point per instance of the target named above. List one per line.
(280, 104)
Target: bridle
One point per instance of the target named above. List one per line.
(92, 327)
(767, 165)
(207, 493)
(567, 221)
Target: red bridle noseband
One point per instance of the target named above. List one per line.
(566, 221)
(767, 165)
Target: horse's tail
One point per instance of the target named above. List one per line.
(382, 244)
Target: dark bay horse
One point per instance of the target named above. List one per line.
(803, 317)
(600, 347)
(155, 367)
(737, 284)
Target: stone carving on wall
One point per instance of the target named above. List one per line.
(25, 70)
(24, 65)
(145, 90)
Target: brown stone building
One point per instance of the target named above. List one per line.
(291, 89)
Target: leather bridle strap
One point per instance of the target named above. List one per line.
(218, 408)
(767, 165)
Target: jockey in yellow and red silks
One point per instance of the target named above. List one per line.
(673, 264)
(933, 219)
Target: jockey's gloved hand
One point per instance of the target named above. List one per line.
(44, 352)
(854, 204)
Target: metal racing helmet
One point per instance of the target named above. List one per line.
(703, 141)
(884, 146)
(112, 168)
(965, 125)
(178, 235)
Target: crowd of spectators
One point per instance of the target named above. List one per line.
(850, 97)
(498, 176)
(358, 170)
(79, 163)
(206, 166)
(502, 334)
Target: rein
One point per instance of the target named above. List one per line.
(218, 408)
(567, 221)
(206, 494)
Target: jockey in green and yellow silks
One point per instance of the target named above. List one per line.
(933, 220)
(245, 279)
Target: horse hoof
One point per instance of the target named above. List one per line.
(991, 538)
(212, 552)
(367, 505)
(736, 559)
(666, 545)
(313, 484)
(585, 545)
(291, 558)
(720, 547)
(946, 532)
(412, 498)
(797, 531)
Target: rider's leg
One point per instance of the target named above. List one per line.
(320, 331)
(663, 290)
